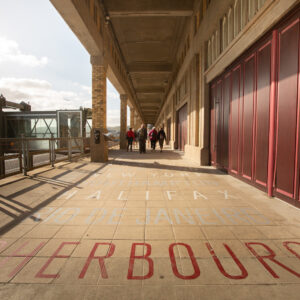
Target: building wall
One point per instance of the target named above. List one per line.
(216, 35)
(255, 112)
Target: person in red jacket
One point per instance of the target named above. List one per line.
(153, 138)
(130, 137)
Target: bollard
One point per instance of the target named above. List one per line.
(52, 150)
(69, 148)
(82, 146)
(24, 154)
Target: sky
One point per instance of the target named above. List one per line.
(42, 62)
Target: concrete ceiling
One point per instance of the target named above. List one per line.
(148, 33)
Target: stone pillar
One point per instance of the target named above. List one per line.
(123, 121)
(99, 151)
(132, 112)
(2, 135)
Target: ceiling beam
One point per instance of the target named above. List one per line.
(149, 112)
(152, 107)
(150, 90)
(149, 13)
(150, 68)
(150, 101)
(151, 8)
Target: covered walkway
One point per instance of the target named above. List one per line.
(150, 226)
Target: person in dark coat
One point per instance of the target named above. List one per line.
(153, 138)
(161, 136)
(130, 137)
(142, 134)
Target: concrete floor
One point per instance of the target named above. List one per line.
(150, 226)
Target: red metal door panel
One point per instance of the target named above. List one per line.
(262, 113)
(234, 120)
(287, 106)
(248, 117)
(212, 125)
(225, 125)
(219, 122)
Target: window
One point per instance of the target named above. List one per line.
(224, 33)
(253, 6)
(213, 49)
(245, 7)
(230, 26)
(237, 17)
(209, 53)
(261, 3)
(217, 41)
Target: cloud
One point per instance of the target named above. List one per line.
(87, 89)
(112, 95)
(113, 117)
(41, 94)
(83, 88)
(10, 52)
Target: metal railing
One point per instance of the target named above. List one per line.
(25, 154)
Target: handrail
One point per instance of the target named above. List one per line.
(19, 155)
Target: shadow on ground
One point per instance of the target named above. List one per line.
(19, 211)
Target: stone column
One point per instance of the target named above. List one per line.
(123, 121)
(132, 112)
(2, 165)
(99, 151)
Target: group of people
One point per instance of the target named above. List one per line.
(142, 135)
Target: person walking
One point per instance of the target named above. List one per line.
(130, 137)
(142, 134)
(153, 138)
(161, 136)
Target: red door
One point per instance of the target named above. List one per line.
(262, 111)
(248, 116)
(246, 90)
(226, 96)
(286, 162)
(235, 122)
(212, 125)
(219, 122)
